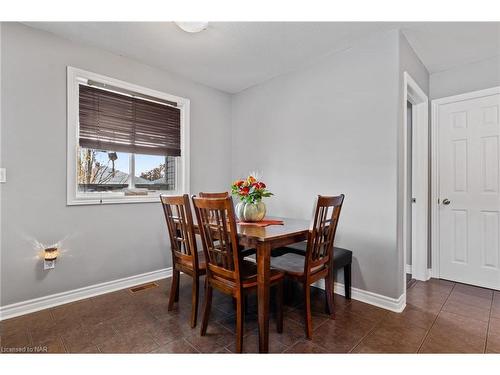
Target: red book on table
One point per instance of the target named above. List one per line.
(262, 223)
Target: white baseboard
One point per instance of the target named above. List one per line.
(384, 302)
(433, 273)
(36, 304)
(428, 274)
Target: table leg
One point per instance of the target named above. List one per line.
(263, 283)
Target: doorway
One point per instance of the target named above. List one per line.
(416, 181)
(412, 200)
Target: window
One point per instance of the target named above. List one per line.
(126, 144)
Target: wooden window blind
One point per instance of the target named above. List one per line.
(115, 122)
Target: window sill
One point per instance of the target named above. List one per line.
(82, 201)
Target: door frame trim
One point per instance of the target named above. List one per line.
(420, 122)
(435, 105)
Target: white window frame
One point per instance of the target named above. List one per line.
(73, 197)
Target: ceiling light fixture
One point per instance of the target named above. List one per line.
(192, 27)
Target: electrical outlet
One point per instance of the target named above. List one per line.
(49, 264)
(3, 175)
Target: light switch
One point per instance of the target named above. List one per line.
(3, 175)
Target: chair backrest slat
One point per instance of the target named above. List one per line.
(180, 227)
(217, 225)
(322, 234)
(213, 195)
(223, 194)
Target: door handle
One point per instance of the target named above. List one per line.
(446, 201)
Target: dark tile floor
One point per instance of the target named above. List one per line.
(441, 317)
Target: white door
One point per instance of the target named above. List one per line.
(469, 200)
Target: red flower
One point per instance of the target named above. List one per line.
(244, 191)
(239, 183)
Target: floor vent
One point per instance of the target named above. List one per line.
(139, 288)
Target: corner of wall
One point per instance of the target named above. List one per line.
(409, 62)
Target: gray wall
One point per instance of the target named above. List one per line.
(331, 128)
(465, 78)
(408, 62)
(101, 243)
(411, 63)
(337, 124)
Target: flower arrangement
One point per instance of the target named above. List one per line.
(250, 190)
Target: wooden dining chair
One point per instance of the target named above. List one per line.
(316, 263)
(244, 251)
(342, 259)
(185, 256)
(226, 271)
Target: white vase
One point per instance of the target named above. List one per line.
(250, 211)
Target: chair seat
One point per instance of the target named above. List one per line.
(246, 252)
(290, 263)
(249, 274)
(187, 266)
(341, 257)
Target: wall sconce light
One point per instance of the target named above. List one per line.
(50, 255)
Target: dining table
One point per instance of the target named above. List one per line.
(264, 239)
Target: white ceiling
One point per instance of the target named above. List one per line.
(232, 56)
(445, 45)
